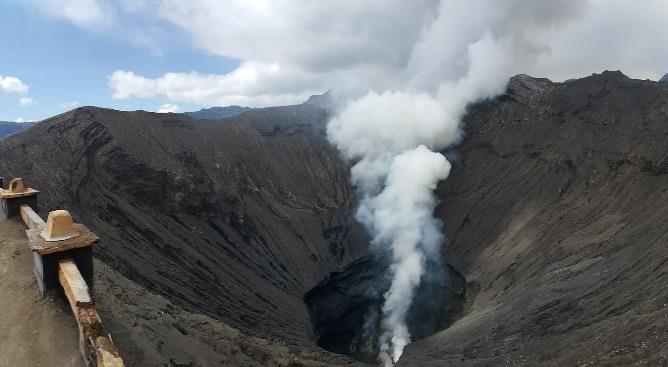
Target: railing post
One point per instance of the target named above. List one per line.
(15, 195)
(63, 256)
(60, 238)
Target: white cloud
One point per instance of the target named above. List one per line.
(69, 105)
(318, 35)
(251, 84)
(10, 84)
(89, 14)
(20, 120)
(26, 101)
(611, 34)
(290, 49)
(168, 108)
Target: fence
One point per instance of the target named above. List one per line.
(63, 259)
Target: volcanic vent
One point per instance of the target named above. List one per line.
(345, 308)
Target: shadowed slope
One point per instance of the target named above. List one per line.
(236, 220)
(557, 214)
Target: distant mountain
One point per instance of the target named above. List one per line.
(8, 127)
(664, 79)
(324, 101)
(217, 112)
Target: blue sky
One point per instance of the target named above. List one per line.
(65, 65)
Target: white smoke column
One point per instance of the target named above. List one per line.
(397, 174)
(467, 53)
(391, 135)
(402, 216)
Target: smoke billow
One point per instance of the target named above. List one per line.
(464, 54)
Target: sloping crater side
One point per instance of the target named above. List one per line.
(233, 219)
(557, 211)
(555, 215)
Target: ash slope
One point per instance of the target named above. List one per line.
(557, 215)
(235, 220)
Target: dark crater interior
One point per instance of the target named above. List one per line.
(346, 307)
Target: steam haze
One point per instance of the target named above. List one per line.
(393, 136)
(288, 50)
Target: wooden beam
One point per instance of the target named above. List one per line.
(30, 218)
(90, 327)
(107, 355)
(97, 349)
(74, 285)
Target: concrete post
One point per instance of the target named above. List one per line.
(60, 238)
(15, 195)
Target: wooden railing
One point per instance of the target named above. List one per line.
(30, 218)
(57, 263)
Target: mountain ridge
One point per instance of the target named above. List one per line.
(554, 217)
(9, 127)
(214, 113)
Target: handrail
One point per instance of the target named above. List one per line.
(97, 347)
(30, 218)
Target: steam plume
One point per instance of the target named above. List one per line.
(466, 53)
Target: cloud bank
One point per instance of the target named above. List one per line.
(295, 48)
(251, 84)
